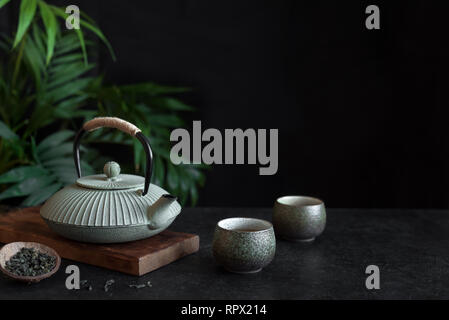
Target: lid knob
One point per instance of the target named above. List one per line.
(111, 169)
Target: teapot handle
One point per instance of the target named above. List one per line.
(122, 125)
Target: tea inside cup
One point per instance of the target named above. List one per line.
(244, 224)
(299, 218)
(299, 201)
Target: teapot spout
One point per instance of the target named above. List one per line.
(159, 215)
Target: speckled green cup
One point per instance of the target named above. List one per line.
(299, 218)
(244, 245)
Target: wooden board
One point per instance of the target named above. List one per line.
(136, 258)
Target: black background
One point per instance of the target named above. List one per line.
(362, 114)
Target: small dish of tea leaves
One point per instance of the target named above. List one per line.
(28, 261)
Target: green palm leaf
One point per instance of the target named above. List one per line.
(22, 173)
(54, 140)
(80, 35)
(26, 15)
(27, 187)
(40, 181)
(51, 27)
(6, 132)
(3, 2)
(40, 195)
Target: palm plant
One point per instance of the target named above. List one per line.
(46, 81)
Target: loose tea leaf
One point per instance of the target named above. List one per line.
(30, 262)
(140, 286)
(85, 285)
(108, 284)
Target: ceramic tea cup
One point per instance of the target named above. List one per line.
(244, 245)
(299, 218)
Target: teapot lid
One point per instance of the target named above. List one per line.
(111, 179)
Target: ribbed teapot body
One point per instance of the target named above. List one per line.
(79, 206)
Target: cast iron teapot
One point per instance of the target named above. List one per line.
(110, 207)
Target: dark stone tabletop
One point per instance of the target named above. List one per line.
(411, 248)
